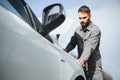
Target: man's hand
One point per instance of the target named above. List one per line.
(81, 62)
(65, 50)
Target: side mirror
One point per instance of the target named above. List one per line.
(52, 17)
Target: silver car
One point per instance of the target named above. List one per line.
(27, 52)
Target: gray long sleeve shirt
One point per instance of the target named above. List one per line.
(91, 40)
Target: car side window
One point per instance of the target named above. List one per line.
(27, 14)
(16, 7)
(35, 21)
(20, 8)
(23, 11)
(8, 6)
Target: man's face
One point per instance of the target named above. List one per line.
(84, 18)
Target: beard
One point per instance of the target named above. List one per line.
(85, 24)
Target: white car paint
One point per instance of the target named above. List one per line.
(27, 55)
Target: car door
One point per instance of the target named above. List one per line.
(24, 53)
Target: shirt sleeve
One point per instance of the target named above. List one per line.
(91, 44)
(71, 45)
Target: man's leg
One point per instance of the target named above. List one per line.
(97, 74)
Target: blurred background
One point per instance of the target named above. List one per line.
(105, 14)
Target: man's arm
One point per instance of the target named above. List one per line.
(71, 45)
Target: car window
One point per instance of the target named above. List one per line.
(21, 9)
(8, 6)
(16, 7)
(35, 21)
(27, 14)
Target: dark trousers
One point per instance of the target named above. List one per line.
(93, 75)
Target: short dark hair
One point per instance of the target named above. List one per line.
(85, 9)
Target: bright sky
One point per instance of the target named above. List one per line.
(105, 14)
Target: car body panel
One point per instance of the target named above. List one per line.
(27, 55)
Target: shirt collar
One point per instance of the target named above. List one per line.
(87, 28)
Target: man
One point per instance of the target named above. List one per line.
(87, 39)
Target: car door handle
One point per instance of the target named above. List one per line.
(62, 60)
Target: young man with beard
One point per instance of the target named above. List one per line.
(87, 38)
